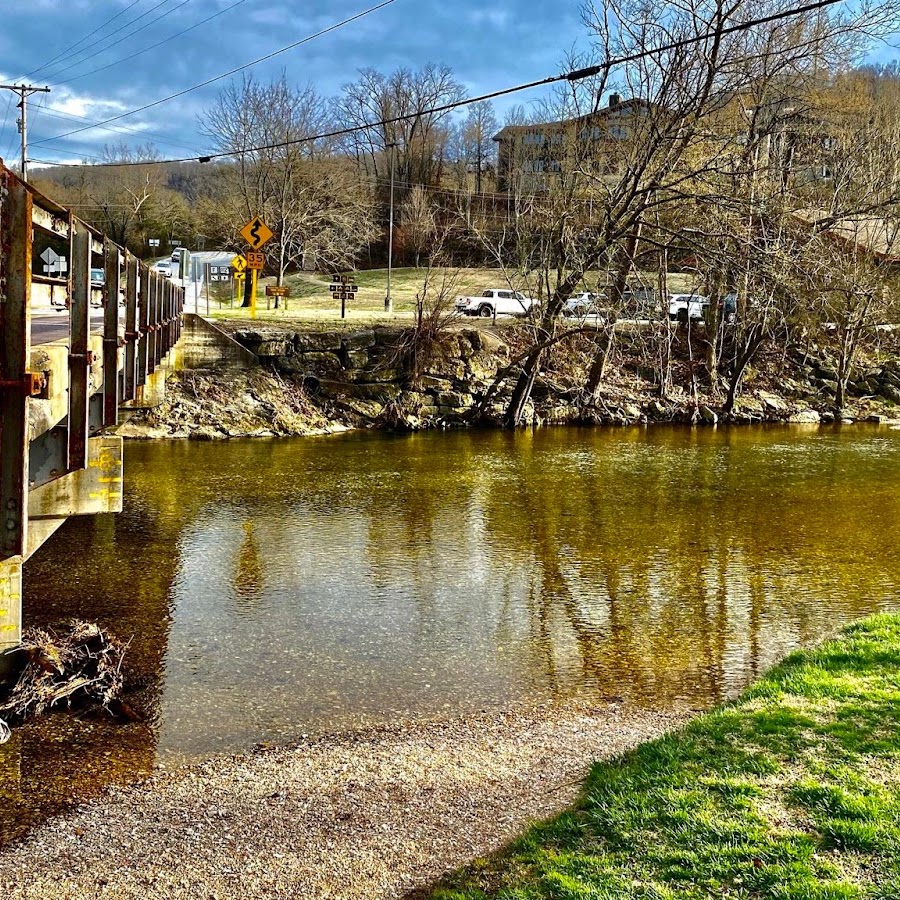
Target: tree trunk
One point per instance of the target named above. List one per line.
(605, 345)
(601, 360)
(665, 349)
(522, 391)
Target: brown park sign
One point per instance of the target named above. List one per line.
(273, 290)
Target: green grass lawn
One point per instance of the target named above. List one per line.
(311, 301)
(791, 793)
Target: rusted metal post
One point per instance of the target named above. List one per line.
(112, 267)
(15, 351)
(131, 329)
(79, 346)
(152, 302)
(15, 388)
(143, 326)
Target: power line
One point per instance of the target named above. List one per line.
(574, 75)
(55, 113)
(95, 51)
(210, 81)
(151, 47)
(71, 47)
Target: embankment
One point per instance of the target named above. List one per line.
(313, 382)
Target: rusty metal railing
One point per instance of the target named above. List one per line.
(59, 401)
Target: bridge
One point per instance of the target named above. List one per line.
(61, 395)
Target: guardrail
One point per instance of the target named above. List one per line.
(58, 401)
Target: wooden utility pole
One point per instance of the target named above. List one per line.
(24, 91)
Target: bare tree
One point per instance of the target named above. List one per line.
(478, 138)
(282, 175)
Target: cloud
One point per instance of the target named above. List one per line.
(497, 17)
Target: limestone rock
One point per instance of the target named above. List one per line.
(805, 417)
(356, 359)
(708, 416)
(323, 341)
(359, 340)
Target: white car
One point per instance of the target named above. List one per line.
(687, 306)
(164, 267)
(582, 304)
(496, 301)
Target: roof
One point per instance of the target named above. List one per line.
(870, 233)
(604, 112)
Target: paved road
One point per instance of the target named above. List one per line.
(54, 326)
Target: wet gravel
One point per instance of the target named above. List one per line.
(374, 814)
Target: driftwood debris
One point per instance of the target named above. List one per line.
(82, 664)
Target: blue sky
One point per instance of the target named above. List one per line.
(488, 46)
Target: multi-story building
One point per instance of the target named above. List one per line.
(530, 156)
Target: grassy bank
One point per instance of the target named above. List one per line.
(792, 793)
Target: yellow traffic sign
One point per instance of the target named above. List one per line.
(256, 261)
(239, 263)
(256, 233)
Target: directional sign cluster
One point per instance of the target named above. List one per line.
(345, 290)
(54, 264)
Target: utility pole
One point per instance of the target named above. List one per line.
(24, 91)
(388, 305)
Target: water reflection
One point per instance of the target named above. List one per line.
(277, 588)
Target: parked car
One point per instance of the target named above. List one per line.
(583, 304)
(728, 308)
(496, 301)
(687, 306)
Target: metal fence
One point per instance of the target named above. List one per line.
(57, 401)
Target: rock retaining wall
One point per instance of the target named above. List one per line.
(373, 375)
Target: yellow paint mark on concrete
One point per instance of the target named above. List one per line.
(9, 627)
(109, 480)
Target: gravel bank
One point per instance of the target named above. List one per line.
(371, 815)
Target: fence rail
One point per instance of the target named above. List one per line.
(58, 401)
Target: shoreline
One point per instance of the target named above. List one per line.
(380, 812)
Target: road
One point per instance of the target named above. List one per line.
(47, 327)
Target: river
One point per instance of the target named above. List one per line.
(272, 589)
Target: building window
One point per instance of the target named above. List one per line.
(618, 132)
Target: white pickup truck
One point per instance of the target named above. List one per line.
(496, 301)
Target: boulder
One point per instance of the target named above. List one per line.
(454, 400)
(355, 359)
(805, 417)
(281, 346)
(309, 363)
(772, 402)
(708, 416)
(891, 393)
(322, 341)
(359, 340)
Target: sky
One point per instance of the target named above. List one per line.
(58, 43)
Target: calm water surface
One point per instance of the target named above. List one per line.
(278, 588)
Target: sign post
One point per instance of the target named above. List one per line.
(343, 291)
(255, 233)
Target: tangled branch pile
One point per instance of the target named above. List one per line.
(82, 664)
